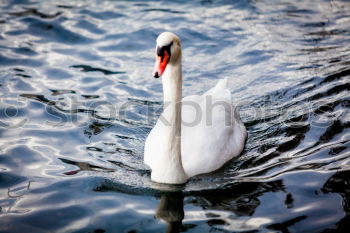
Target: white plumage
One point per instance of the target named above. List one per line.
(211, 132)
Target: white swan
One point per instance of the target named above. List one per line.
(193, 136)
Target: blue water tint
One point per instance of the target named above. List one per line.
(77, 101)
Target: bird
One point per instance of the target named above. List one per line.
(194, 135)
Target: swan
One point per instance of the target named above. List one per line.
(195, 135)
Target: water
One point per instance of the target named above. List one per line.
(78, 100)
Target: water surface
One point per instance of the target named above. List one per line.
(77, 101)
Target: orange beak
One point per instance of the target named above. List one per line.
(160, 65)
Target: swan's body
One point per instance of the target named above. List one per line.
(211, 132)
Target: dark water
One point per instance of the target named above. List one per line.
(78, 100)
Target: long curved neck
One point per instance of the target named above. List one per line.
(172, 89)
(172, 83)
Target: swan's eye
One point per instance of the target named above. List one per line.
(160, 50)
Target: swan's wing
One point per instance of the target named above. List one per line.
(211, 133)
(219, 88)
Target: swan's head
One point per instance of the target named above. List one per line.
(168, 51)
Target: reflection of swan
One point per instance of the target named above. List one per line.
(176, 151)
(171, 210)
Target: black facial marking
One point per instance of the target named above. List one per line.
(160, 50)
(156, 75)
